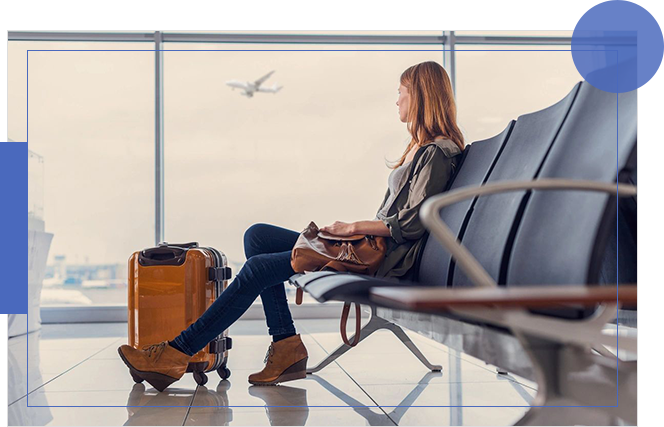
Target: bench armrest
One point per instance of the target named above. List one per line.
(507, 307)
(434, 298)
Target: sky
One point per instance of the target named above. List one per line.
(315, 151)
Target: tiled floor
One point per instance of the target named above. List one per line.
(75, 377)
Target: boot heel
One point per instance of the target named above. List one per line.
(296, 371)
(158, 381)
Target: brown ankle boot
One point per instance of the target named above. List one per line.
(286, 360)
(159, 364)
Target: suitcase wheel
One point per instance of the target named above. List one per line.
(136, 378)
(224, 372)
(200, 378)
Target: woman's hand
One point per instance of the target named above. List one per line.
(340, 228)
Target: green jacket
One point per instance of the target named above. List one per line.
(407, 233)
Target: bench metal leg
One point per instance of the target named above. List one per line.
(398, 331)
(603, 351)
(584, 383)
(375, 323)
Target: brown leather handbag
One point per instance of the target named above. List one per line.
(317, 250)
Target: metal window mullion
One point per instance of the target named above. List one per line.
(159, 137)
(303, 39)
(449, 57)
(513, 40)
(70, 36)
(342, 39)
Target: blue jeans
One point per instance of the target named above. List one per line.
(268, 251)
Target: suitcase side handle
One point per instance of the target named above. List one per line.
(220, 345)
(218, 274)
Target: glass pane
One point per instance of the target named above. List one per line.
(314, 151)
(35, 186)
(92, 123)
(494, 86)
(17, 89)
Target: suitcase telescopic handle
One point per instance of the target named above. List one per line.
(179, 245)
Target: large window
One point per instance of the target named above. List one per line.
(91, 174)
(495, 84)
(314, 151)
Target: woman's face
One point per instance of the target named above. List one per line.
(402, 103)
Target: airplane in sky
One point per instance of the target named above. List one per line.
(249, 88)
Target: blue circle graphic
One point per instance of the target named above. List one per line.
(617, 46)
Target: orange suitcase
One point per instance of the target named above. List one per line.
(170, 286)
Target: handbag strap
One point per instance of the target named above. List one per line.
(344, 321)
(299, 293)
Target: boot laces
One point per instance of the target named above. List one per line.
(155, 348)
(270, 352)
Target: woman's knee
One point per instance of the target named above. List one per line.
(255, 273)
(251, 239)
(264, 270)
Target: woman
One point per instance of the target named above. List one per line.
(426, 104)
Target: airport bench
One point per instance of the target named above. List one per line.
(533, 207)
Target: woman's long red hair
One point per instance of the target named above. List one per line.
(432, 109)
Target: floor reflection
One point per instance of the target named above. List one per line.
(376, 418)
(142, 402)
(276, 398)
(76, 365)
(24, 377)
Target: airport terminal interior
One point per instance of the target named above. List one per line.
(173, 129)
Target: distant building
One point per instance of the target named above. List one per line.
(76, 274)
(39, 243)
